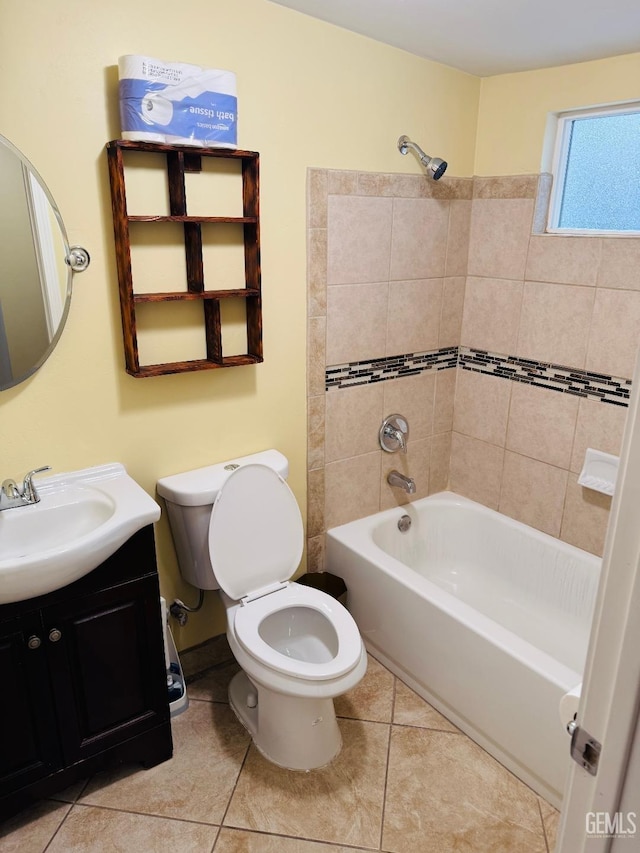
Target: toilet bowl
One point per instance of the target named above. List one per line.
(237, 528)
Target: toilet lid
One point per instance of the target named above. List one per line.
(255, 532)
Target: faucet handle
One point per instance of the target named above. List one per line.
(10, 489)
(394, 433)
(29, 492)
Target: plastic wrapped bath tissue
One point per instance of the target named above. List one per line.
(569, 705)
(177, 103)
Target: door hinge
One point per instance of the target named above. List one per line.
(585, 750)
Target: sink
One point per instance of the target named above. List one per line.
(55, 522)
(82, 518)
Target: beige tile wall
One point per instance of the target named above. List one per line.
(573, 301)
(387, 265)
(398, 265)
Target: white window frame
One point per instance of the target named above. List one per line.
(559, 166)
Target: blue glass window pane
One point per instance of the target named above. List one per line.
(602, 183)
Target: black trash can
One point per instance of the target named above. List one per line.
(326, 582)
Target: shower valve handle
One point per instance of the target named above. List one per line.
(394, 434)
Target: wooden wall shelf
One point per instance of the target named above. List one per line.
(180, 160)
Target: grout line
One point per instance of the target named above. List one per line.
(208, 701)
(565, 500)
(201, 673)
(215, 840)
(80, 793)
(544, 828)
(154, 815)
(386, 770)
(505, 450)
(386, 774)
(446, 255)
(502, 480)
(235, 786)
(457, 733)
(393, 698)
(71, 805)
(194, 677)
(104, 808)
(342, 845)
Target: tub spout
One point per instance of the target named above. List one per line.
(395, 478)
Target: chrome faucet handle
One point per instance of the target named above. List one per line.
(397, 436)
(29, 492)
(10, 489)
(394, 434)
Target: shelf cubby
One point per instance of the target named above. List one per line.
(180, 161)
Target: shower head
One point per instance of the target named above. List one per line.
(434, 165)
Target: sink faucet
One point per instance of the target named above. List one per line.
(395, 478)
(12, 495)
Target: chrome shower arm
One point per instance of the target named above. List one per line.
(434, 165)
(404, 144)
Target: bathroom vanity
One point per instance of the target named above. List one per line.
(84, 680)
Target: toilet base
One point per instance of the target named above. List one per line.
(292, 732)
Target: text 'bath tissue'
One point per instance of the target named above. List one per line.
(177, 103)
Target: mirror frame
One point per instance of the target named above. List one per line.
(76, 258)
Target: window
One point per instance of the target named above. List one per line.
(597, 172)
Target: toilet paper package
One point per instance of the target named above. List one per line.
(177, 103)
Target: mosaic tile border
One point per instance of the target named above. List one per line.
(391, 367)
(580, 383)
(554, 377)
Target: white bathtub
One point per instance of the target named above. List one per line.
(484, 617)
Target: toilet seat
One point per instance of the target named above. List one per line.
(255, 532)
(249, 618)
(253, 561)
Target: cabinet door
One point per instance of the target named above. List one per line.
(107, 666)
(29, 746)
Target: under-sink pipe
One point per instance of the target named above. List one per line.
(179, 610)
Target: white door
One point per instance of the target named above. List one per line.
(600, 812)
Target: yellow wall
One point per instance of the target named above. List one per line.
(514, 108)
(309, 95)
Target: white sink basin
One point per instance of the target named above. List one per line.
(82, 518)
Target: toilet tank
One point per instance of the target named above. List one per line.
(189, 499)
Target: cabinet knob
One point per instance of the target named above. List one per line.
(34, 642)
(54, 635)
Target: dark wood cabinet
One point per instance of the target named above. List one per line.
(84, 675)
(27, 720)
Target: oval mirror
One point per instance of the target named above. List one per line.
(36, 269)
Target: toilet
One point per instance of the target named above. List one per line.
(237, 528)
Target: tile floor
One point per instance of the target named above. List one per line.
(406, 781)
